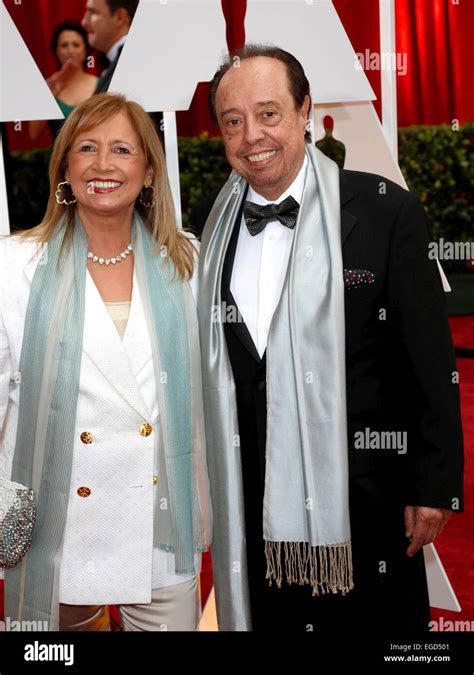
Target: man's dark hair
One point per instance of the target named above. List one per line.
(297, 80)
(129, 5)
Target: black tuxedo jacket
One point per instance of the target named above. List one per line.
(400, 363)
(103, 83)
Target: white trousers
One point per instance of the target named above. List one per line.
(172, 608)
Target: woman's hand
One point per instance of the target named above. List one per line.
(59, 80)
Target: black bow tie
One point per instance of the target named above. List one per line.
(257, 217)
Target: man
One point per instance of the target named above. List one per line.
(107, 23)
(332, 410)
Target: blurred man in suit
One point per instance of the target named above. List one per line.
(334, 437)
(107, 23)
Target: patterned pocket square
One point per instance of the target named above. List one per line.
(358, 278)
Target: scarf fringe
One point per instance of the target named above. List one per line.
(329, 567)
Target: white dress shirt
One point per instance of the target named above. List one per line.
(113, 51)
(260, 265)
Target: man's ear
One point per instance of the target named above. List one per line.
(121, 17)
(305, 108)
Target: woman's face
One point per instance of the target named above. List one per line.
(71, 47)
(107, 169)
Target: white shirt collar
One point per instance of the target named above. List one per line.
(113, 51)
(295, 189)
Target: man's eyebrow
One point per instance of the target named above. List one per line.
(228, 111)
(260, 104)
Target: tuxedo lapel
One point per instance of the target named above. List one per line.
(239, 326)
(347, 219)
(103, 83)
(118, 362)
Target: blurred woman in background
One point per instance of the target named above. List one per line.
(71, 84)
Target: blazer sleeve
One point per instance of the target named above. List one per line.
(417, 308)
(5, 372)
(5, 360)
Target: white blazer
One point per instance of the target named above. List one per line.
(108, 555)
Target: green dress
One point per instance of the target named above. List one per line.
(55, 125)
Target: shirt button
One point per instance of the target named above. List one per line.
(271, 237)
(83, 491)
(155, 480)
(145, 429)
(86, 437)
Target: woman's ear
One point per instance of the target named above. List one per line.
(149, 176)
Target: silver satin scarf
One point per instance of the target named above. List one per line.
(306, 501)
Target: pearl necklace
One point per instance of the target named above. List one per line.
(116, 259)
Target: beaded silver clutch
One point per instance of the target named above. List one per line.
(17, 520)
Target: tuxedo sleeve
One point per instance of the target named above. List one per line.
(195, 223)
(200, 212)
(417, 310)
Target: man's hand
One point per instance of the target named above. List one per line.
(423, 524)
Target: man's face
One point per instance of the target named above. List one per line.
(100, 25)
(263, 130)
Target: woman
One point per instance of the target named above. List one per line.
(70, 84)
(100, 391)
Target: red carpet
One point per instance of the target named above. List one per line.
(462, 330)
(455, 544)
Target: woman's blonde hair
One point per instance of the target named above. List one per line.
(160, 218)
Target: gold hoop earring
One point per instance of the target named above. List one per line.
(148, 204)
(59, 195)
